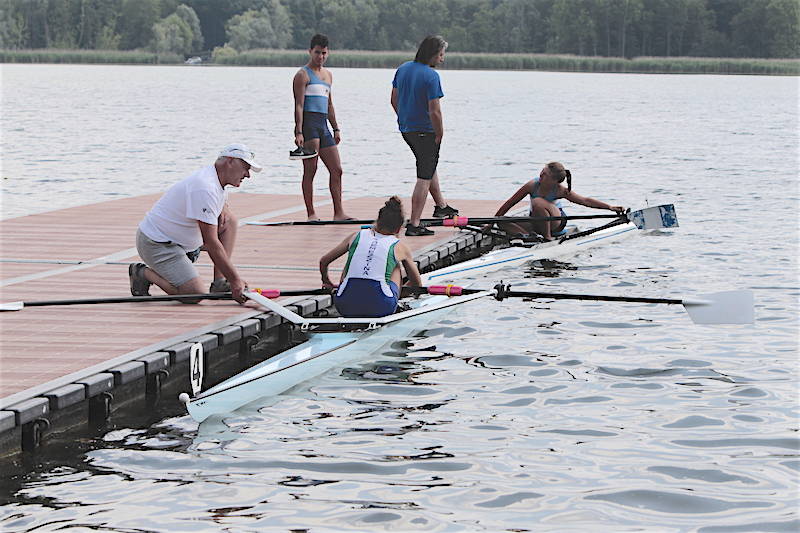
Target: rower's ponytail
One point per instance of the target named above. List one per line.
(569, 179)
(391, 216)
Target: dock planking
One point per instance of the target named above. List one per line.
(42, 344)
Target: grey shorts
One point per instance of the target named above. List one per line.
(167, 259)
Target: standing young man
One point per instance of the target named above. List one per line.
(416, 90)
(193, 213)
(313, 109)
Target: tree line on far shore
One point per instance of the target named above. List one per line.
(604, 28)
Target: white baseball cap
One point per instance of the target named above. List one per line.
(242, 152)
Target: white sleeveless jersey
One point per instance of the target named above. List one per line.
(371, 256)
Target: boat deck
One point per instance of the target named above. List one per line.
(46, 347)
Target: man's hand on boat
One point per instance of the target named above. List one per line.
(238, 286)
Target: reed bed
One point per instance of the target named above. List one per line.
(455, 60)
(124, 57)
(568, 63)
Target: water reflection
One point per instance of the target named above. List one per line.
(514, 415)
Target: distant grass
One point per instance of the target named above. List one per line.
(50, 55)
(561, 63)
(454, 60)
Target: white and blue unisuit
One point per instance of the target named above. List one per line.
(367, 289)
(315, 110)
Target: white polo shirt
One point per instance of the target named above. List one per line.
(174, 217)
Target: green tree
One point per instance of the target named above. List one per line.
(13, 26)
(340, 21)
(107, 38)
(783, 21)
(136, 21)
(215, 16)
(748, 28)
(188, 15)
(172, 35)
(61, 21)
(96, 21)
(516, 22)
(305, 16)
(267, 28)
(393, 19)
(570, 29)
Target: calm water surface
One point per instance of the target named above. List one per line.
(504, 416)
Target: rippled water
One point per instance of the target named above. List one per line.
(514, 415)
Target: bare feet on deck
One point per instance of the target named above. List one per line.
(343, 217)
(313, 218)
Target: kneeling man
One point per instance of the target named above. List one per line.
(193, 213)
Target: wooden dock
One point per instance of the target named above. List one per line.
(83, 252)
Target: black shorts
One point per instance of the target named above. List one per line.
(425, 149)
(315, 126)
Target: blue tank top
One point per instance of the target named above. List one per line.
(551, 196)
(316, 95)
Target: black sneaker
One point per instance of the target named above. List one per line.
(139, 284)
(444, 212)
(302, 153)
(220, 285)
(417, 231)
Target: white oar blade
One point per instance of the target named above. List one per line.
(12, 306)
(661, 216)
(730, 307)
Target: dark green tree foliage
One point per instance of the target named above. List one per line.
(614, 28)
(270, 27)
(191, 19)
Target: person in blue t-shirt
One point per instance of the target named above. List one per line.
(416, 91)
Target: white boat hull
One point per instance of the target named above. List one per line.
(515, 256)
(324, 351)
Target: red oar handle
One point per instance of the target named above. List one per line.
(455, 221)
(447, 290)
(268, 293)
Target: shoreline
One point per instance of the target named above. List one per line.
(391, 59)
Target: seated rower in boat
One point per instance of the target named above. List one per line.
(370, 282)
(545, 193)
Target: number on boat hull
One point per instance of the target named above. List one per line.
(196, 367)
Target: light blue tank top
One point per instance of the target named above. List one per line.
(551, 196)
(316, 95)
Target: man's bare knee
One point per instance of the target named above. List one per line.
(193, 286)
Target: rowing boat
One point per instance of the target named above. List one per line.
(327, 349)
(514, 256)
(323, 351)
(662, 216)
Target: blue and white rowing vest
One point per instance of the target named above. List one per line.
(371, 256)
(317, 93)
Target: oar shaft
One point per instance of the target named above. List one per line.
(454, 221)
(503, 292)
(131, 299)
(173, 298)
(597, 297)
(462, 221)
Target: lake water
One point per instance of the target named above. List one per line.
(504, 416)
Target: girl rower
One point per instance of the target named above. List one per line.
(545, 193)
(370, 282)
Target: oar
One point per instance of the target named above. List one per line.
(730, 307)
(269, 293)
(662, 216)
